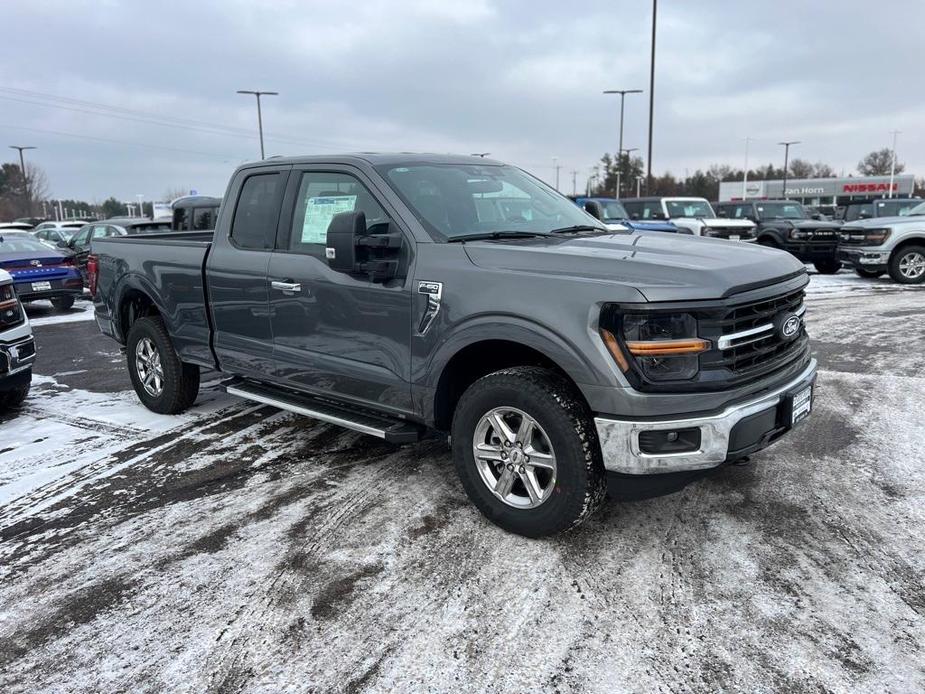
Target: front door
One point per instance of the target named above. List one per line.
(333, 332)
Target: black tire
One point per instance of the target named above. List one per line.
(180, 381)
(868, 274)
(827, 267)
(897, 259)
(580, 485)
(62, 303)
(12, 399)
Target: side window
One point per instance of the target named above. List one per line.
(321, 196)
(254, 225)
(203, 218)
(82, 238)
(632, 208)
(100, 231)
(180, 219)
(652, 210)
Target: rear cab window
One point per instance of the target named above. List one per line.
(257, 212)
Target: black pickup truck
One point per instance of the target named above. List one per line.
(399, 295)
(787, 225)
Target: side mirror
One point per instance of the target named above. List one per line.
(62, 244)
(594, 208)
(343, 231)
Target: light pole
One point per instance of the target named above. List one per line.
(786, 146)
(894, 133)
(574, 182)
(638, 185)
(26, 193)
(622, 93)
(745, 170)
(259, 114)
(651, 97)
(555, 165)
(620, 167)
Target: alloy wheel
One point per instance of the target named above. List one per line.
(148, 366)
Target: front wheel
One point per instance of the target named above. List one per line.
(62, 303)
(907, 265)
(11, 399)
(526, 451)
(868, 274)
(827, 267)
(163, 383)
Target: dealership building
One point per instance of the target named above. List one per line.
(821, 191)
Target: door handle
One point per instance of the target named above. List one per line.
(286, 286)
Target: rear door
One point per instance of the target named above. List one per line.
(335, 332)
(236, 274)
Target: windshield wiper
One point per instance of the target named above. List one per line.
(577, 227)
(497, 235)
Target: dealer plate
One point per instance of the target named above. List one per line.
(41, 286)
(802, 405)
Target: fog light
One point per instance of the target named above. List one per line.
(670, 440)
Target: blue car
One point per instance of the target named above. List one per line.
(613, 213)
(39, 270)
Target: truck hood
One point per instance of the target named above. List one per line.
(878, 222)
(662, 267)
(723, 222)
(800, 224)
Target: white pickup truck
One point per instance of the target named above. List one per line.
(17, 348)
(694, 214)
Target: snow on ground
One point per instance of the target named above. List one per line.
(42, 312)
(238, 548)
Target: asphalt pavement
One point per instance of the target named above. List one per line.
(240, 548)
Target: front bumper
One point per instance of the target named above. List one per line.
(737, 431)
(810, 252)
(871, 258)
(17, 355)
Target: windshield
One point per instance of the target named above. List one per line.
(896, 208)
(614, 210)
(18, 243)
(689, 208)
(460, 200)
(916, 211)
(781, 210)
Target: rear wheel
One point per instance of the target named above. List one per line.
(827, 267)
(907, 265)
(527, 453)
(868, 274)
(163, 383)
(62, 303)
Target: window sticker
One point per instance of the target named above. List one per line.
(318, 214)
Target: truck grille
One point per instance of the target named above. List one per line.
(747, 343)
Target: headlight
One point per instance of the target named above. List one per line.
(664, 347)
(877, 237)
(10, 310)
(800, 235)
(707, 231)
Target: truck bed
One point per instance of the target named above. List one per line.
(168, 269)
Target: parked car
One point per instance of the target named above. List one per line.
(17, 348)
(55, 237)
(15, 226)
(869, 209)
(393, 300)
(70, 226)
(195, 213)
(787, 225)
(40, 271)
(138, 225)
(31, 221)
(694, 214)
(614, 215)
(888, 244)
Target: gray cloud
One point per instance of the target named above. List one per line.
(519, 79)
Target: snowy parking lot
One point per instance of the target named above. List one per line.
(240, 548)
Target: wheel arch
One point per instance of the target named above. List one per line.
(136, 298)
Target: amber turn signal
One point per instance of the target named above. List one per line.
(667, 348)
(614, 348)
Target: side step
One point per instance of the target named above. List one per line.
(364, 421)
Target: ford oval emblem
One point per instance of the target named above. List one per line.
(790, 327)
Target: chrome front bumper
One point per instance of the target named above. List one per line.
(619, 438)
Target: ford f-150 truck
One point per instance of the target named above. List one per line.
(886, 244)
(404, 294)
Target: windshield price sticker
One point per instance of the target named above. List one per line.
(320, 211)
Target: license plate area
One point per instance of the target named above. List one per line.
(734, 237)
(796, 405)
(41, 286)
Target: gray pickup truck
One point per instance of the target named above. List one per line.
(886, 244)
(400, 295)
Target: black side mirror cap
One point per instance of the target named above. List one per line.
(594, 208)
(343, 231)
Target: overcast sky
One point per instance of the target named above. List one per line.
(521, 79)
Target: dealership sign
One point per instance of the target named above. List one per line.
(820, 188)
(852, 188)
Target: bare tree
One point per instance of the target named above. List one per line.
(878, 163)
(37, 183)
(821, 170)
(800, 168)
(174, 192)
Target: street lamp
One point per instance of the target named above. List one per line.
(556, 166)
(638, 185)
(786, 146)
(26, 193)
(745, 171)
(651, 97)
(259, 114)
(622, 93)
(894, 133)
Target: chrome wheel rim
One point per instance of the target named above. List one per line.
(514, 457)
(148, 366)
(912, 265)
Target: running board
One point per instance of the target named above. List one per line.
(390, 430)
